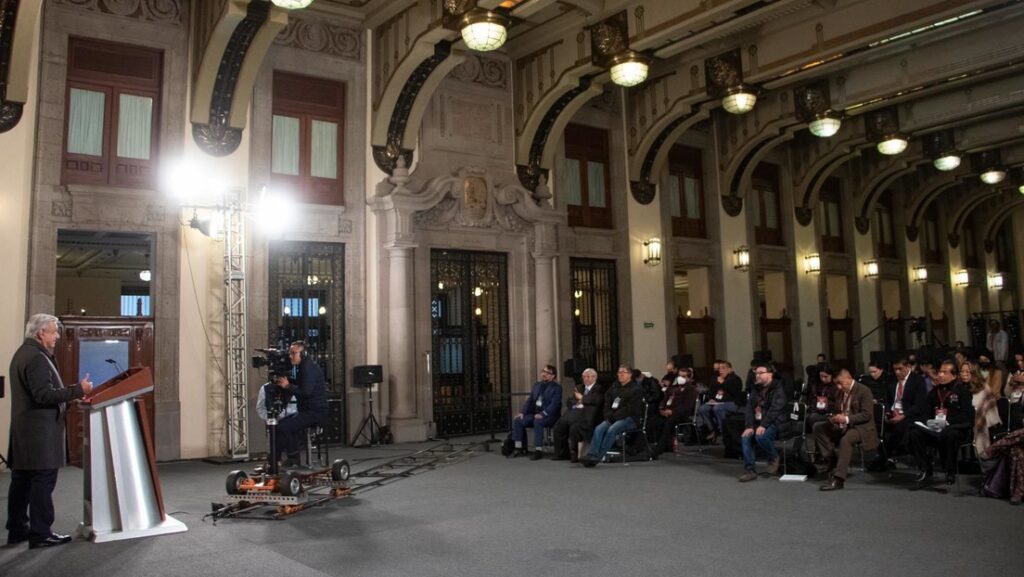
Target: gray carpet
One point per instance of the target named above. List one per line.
(682, 515)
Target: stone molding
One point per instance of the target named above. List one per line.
(321, 37)
(170, 12)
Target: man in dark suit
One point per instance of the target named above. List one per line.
(37, 443)
(578, 424)
(949, 415)
(623, 411)
(853, 423)
(904, 404)
(308, 387)
(541, 409)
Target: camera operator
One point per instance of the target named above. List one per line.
(308, 387)
(272, 395)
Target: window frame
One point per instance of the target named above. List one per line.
(686, 162)
(831, 194)
(885, 249)
(587, 144)
(766, 178)
(308, 188)
(112, 85)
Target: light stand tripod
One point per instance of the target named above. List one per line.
(369, 430)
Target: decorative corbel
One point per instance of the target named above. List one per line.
(225, 79)
(18, 23)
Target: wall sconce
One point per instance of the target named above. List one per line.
(882, 127)
(812, 263)
(871, 268)
(609, 48)
(813, 105)
(941, 148)
(962, 278)
(920, 274)
(989, 165)
(652, 251)
(741, 258)
(995, 281)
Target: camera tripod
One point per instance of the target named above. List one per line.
(370, 429)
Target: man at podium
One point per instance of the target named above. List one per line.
(308, 387)
(38, 402)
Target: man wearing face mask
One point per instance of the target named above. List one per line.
(949, 415)
(679, 397)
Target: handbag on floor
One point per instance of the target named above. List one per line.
(997, 481)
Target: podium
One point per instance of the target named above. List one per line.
(122, 488)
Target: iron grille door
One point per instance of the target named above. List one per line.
(307, 290)
(595, 326)
(470, 361)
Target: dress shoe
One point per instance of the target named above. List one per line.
(773, 466)
(574, 458)
(834, 484)
(52, 541)
(536, 456)
(589, 461)
(923, 478)
(950, 478)
(519, 453)
(748, 476)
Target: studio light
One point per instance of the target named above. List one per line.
(892, 144)
(825, 125)
(739, 99)
(483, 30)
(629, 68)
(145, 275)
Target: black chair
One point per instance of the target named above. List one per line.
(797, 425)
(878, 413)
(623, 439)
(692, 424)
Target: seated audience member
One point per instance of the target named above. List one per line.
(577, 425)
(927, 369)
(878, 380)
(948, 417)
(623, 409)
(766, 418)
(679, 398)
(986, 413)
(541, 409)
(904, 404)
(821, 404)
(1011, 449)
(723, 397)
(1014, 389)
(853, 423)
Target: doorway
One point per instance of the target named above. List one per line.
(469, 315)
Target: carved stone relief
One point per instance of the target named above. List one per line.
(322, 37)
(159, 11)
(490, 72)
(471, 201)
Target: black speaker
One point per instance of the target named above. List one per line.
(367, 375)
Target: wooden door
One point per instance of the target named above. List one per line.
(85, 345)
(696, 336)
(777, 337)
(840, 341)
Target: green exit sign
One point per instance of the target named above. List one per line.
(648, 325)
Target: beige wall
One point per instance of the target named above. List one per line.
(16, 164)
(97, 295)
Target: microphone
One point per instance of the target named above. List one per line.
(118, 367)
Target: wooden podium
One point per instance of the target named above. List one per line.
(122, 488)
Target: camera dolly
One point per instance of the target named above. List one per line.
(289, 491)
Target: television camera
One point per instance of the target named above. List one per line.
(276, 360)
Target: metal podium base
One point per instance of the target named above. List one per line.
(166, 527)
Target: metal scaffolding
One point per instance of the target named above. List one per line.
(235, 340)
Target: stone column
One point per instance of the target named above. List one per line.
(545, 307)
(401, 344)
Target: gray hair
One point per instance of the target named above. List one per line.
(37, 323)
(589, 372)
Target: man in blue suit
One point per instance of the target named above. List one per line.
(541, 409)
